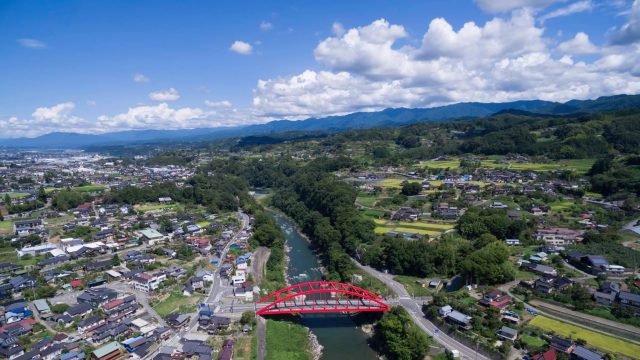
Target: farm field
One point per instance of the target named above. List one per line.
(562, 205)
(600, 341)
(366, 199)
(84, 188)
(151, 207)
(435, 164)
(17, 195)
(431, 229)
(578, 165)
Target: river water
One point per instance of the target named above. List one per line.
(337, 333)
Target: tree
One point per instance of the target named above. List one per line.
(412, 188)
(248, 317)
(42, 195)
(399, 338)
(489, 265)
(115, 261)
(7, 199)
(59, 308)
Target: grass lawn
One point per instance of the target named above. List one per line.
(533, 341)
(6, 224)
(287, 341)
(410, 283)
(203, 223)
(604, 342)
(175, 302)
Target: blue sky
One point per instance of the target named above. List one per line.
(90, 66)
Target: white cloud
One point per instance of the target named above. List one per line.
(630, 31)
(45, 120)
(503, 60)
(32, 43)
(265, 25)
(59, 114)
(163, 116)
(498, 6)
(580, 44)
(241, 47)
(170, 94)
(574, 8)
(140, 78)
(223, 103)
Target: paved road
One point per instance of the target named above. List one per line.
(414, 308)
(262, 337)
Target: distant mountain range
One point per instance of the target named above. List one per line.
(358, 120)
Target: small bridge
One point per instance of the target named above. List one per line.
(321, 297)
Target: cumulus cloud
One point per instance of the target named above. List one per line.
(170, 94)
(574, 8)
(222, 103)
(498, 6)
(241, 47)
(580, 44)
(630, 32)
(265, 25)
(32, 43)
(163, 116)
(140, 78)
(502, 60)
(45, 120)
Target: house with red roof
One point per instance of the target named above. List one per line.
(497, 299)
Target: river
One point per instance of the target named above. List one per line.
(337, 333)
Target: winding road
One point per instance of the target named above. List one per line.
(414, 308)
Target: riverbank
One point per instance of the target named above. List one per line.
(335, 336)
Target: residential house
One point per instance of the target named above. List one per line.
(457, 318)
(559, 236)
(97, 296)
(147, 282)
(582, 353)
(562, 345)
(603, 298)
(630, 300)
(111, 351)
(508, 333)
(497, 299)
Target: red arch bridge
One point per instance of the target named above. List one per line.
(321, 297)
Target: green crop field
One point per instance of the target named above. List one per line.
(452, 164)
(368, 200)
(151, 207)
(17, 195)
(577, 165)
(383, 226)
(600, 341)
(90, 188)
